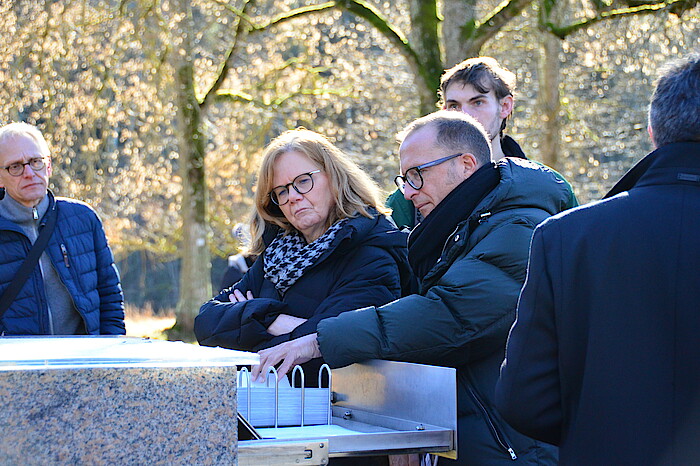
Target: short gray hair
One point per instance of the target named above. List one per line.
(456, 131)
(674, 114)
(13, 130)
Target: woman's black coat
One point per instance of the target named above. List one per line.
(366, 265)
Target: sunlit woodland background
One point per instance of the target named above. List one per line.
(156, 111)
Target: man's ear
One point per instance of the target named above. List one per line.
(469, 164)
(49, 168)
(506, 106)
(651, 135)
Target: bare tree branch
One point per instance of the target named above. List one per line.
(296, 14)
(477, 33)
(366, 11)
(239, 34)
(563, 31)
(245, 27)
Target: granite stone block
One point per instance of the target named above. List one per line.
(122, 415)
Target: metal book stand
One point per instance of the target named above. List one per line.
(285, 406)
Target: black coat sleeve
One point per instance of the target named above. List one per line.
(460, 319)
(528, 392)
(370, 278)
(241, 326)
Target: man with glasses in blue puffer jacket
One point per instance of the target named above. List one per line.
(74, 287)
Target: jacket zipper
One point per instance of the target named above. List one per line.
(492, 426)
(65, 255)
(64, 251)
(49, 315)
(447, 242)
(482, 218)
(442, 253)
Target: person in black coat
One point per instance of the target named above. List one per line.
(604, 357)
(238, 265)
(324, 243)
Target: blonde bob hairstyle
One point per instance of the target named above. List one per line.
(353, 190)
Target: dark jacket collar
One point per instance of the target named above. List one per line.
(677, 162)
(511, 148)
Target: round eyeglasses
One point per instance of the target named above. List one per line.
(17, 168)
(301, 184)
(413, 175)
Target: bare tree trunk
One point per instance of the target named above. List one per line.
(195, 281)
(549, 100)
(457, 14)
(426, 43)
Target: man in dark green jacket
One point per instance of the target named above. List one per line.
(470, 256)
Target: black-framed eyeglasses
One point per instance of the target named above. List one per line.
(301, 184)
(17, 168)
(413, 175)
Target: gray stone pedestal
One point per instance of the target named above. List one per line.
(169, 413)
(119, 416)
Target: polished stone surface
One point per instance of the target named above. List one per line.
(118, 415)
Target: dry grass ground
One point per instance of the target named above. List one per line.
(143, 322)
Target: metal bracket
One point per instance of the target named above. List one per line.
(282, 453)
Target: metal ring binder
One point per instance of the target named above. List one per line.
(326, 368)
(244, 370)
(277, 392)
(303, 386)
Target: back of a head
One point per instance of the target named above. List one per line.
(674, 112)
(455, 131)
(14, 130)
(484, 73)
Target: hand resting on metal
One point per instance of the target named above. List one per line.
(289, 354)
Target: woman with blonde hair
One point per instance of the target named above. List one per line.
(325, 246)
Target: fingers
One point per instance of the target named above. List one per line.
(289, 354)
(255, 372)
(238, 297)
(268, 358)
(285, 367)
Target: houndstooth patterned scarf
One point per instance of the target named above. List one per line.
(288, 255)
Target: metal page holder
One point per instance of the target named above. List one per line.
(277, 405)
(378, 408)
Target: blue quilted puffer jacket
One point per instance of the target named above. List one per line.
(79, 252)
